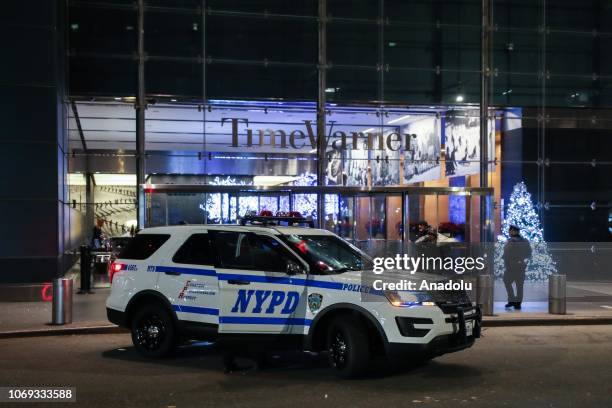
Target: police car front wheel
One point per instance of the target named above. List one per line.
(153, 332)
(348, 346)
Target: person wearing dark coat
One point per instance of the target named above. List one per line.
(517, 252)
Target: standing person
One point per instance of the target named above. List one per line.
(517, 252)
(450, 166)
(422, 231)
(96, 237)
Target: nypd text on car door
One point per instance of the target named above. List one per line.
(255, 273)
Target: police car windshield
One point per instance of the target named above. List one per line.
(328, 254)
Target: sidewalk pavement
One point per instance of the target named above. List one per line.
(588, 303)
(88, 312)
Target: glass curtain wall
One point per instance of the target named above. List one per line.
(550, 63)
(383, 68)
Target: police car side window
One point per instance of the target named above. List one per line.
(270, 255)
(196, 251)
(143, 246)
(230, 250)
(238, 250)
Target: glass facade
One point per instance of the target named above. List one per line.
(237, 93)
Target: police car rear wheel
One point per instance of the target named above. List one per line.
(348, 346)
(153, 332)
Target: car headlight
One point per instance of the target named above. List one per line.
(406, 299)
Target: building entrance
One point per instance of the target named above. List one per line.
(379, 219)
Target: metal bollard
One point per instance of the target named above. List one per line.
(61, 311)
(556, 294)
(484, 294)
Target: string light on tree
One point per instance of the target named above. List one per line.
(305, 204)
(521, 212)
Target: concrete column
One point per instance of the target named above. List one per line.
(33, 144)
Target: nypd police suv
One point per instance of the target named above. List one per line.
(277, 287)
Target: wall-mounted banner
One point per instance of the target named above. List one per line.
(462, 142)
(386, 166)
(422, 163)
(356, 167)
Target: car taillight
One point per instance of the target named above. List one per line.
(113, 269)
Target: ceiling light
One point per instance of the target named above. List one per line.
(398, 119)
(76, 179)
(272, 180)
(115, 179)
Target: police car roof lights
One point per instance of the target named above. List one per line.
(265, 218)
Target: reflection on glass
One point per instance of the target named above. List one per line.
(377, 223)
(339, 215)
(362, 218)
(395, 225)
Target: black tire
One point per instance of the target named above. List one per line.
(153, 331)
(348, 346)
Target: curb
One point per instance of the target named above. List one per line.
(547, 321)
(62, 331)
(112, 329)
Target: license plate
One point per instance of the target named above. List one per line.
(469, 328)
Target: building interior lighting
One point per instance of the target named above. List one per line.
(272, 180)
(76, 179)
(398, 119)
(106, 179)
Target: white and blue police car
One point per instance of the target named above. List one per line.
(275, 287)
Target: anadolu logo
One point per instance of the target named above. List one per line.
(265, 301)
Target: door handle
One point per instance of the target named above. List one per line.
(173, 273)
(238, 282)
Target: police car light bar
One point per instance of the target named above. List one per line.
(266, 218)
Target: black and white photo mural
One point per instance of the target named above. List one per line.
(385, 164)
(334, 168)
(422, 161)
(462, 142)
(356, 165)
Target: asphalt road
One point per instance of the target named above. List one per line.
(509, 367)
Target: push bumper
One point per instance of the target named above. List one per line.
(448, 343)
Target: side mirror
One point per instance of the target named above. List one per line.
(293, 268)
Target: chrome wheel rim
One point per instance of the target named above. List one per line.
(151, 332)
(338, 351)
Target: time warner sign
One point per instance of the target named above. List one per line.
(299, 138)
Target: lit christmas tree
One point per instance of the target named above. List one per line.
(522, 214)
